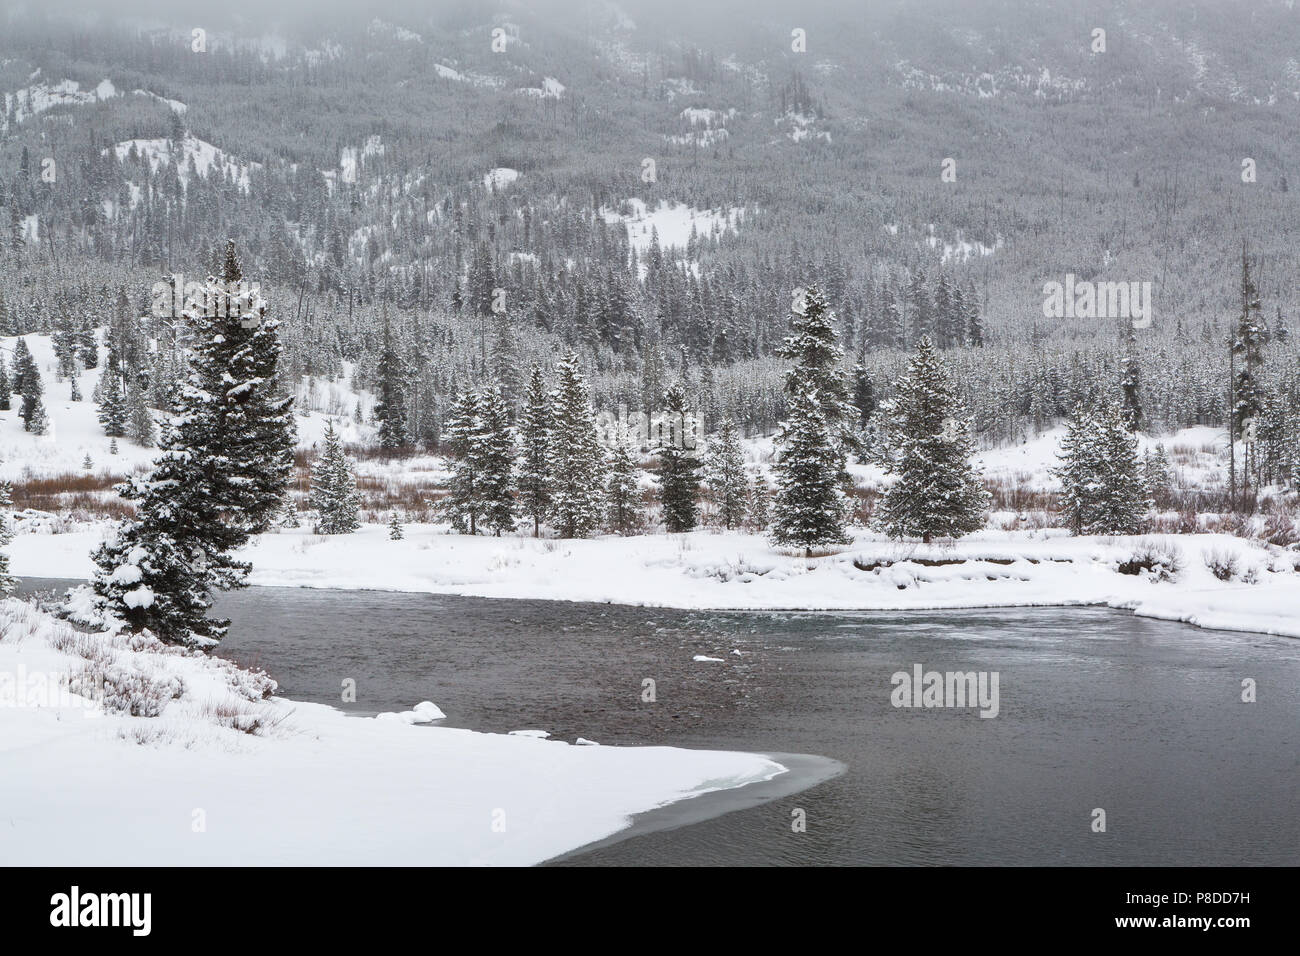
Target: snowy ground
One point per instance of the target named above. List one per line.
(74, 430)
(223, 775)
(705, 570)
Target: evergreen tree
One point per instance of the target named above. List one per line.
(928, 447)
(811, 508)
(74, 393)
(1158, 475)
(576, 462)
(724, 469)
(504, 360)
(864, 396)
(158, 570)
(86, 463)
(760, 502)
(140, 423)
(463, 502)
(27, 382)
(621, 490)
(1129, 383)
(679, 468)
(1102, 487)
(6, 535)
(4, 387)
(496, 462)
(112, 446)
(974, 324)
(237, 360)
(226, 451)
(1248, 352)
(113, 412)
(394, 527)
(534, 437)
(817, 371)
(289, 511)
(333, 488)
(394, 379)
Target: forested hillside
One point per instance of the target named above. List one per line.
(648, 183)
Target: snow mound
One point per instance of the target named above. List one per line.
(155, 750)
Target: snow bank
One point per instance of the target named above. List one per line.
(706, 570)
(210, 770)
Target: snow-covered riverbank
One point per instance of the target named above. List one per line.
(224, 775)
(705, 570)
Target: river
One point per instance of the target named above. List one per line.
(1097, 709)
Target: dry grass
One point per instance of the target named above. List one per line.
(76, 495)
(256, 720)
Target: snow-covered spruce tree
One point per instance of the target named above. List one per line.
(1102, 487)
(6, 535)
(24, 365)
(236, 357)
(928, 445)
(140, 423)
(393, 373)
(395, 532)
(27, 378)
(463, 433)
(74, 391)
(159, 570)
(226, 455)
(1158, 475)
(534, 439)
(864, 395)
(760, 502)
(333, 488)
(811, 507)
(110, 395)
(496, 454)
(621, 491)
(817, 358)
(724, 472)
(4, 387)
(576, 462)
(1249, 394)
(1130, 382)
(679, 467)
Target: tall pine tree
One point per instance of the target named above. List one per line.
(463, 502)
(496, 462)
(576, 460)
(390, 411)
(811, 508)
(928, 447)
(535, 439)
(679, 468)
(724, 470)
(333, 492)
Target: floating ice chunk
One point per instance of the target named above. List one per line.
(712, 660)
(428, 710)
(539, 734)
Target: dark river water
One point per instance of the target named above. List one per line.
(1097, 710)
